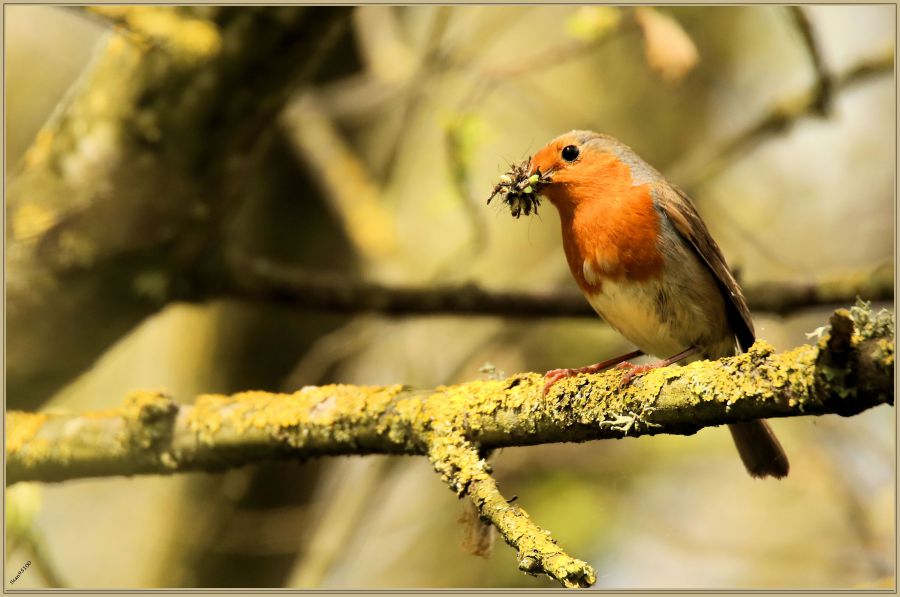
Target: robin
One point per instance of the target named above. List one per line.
(647, 264)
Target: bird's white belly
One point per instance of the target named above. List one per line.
(631, 308)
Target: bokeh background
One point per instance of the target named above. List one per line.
(779, 122)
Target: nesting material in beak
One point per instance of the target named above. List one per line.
(519, 190)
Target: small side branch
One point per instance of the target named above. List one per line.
(467, 473)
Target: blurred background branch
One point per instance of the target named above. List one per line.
(823, 83)
(184, 36)
(295, 288)
(356, 197)
(695, 171)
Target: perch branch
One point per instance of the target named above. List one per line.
(259, 279)
(849, 369)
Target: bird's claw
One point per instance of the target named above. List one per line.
(555, 375)
(632, 371)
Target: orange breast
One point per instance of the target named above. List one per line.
(610, 228)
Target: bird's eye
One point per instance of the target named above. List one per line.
(570, 153)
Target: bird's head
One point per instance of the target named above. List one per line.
(584, 166)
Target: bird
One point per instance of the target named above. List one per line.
(646, 262)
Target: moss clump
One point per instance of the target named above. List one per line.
(871, 325)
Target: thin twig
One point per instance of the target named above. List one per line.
(415, 90)
(823, 85)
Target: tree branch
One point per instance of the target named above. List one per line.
(263, 280)
(463, 468)
(848, 370)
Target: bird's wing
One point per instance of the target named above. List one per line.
(684, 217)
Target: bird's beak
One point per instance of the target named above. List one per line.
(546, 177)
(534, 167)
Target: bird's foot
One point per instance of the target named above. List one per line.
(632, 371)
(555, 375)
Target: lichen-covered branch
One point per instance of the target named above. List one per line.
(467, 472)
(848, 370)
(259, 279)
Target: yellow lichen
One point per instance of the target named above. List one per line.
(148, 403)
(184, 37)
(21, 429)
(885, 354)
(321, 407)
(760, 349)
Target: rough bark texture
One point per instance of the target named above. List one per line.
(848, 370)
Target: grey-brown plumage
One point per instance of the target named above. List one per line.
(760, 450)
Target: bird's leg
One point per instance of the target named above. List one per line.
(635, 370)
(553, 376)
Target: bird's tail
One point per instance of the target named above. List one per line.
(759, 449)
